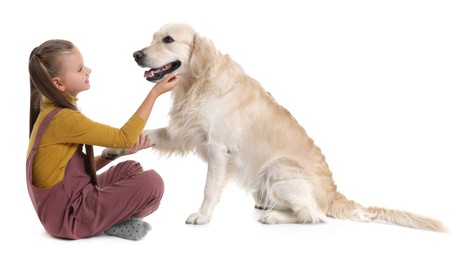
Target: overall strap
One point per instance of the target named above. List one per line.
(89, 149)
(44, 125)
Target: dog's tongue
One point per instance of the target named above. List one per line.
(149, 73)
(153, 72)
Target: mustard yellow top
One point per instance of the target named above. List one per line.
(67, 130)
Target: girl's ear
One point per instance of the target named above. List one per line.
(58, 84)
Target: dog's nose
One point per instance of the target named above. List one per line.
(138, 55)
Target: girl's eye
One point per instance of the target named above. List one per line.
(168, 39)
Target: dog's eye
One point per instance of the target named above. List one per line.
(168, 39)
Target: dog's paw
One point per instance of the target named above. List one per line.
(261, 207)
(152, 136)
(197, 219)
(277, 217)
(112, 154)
(269, 217)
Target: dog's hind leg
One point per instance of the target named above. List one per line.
(289, 196)
(295, 204)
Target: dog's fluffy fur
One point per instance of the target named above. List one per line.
(228, 119)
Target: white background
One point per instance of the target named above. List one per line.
(383, 87)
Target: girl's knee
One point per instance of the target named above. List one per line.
(130, 166)
(154, 181)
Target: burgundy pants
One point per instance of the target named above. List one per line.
(75, 208)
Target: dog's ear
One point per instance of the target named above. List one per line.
(203, 55)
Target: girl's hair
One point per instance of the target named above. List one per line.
(46, 63)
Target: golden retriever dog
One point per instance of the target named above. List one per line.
(229, 120)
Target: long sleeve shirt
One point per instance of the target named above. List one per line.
(69, 129)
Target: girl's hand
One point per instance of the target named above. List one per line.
(142, 143)
(167, 83)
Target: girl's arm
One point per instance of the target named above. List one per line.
(142, 143)
(165, 85)
(143, 111)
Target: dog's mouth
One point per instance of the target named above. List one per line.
(156, 74)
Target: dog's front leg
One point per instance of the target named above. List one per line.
(159, 138)
(216, 177)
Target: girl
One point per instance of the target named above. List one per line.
(70, 200)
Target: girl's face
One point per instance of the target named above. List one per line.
(75, 75)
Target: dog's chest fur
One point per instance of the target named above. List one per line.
(193, 118)
(202, 111)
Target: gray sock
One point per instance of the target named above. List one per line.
(133, 229)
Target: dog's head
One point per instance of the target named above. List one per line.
(175, 47)
(170, 47)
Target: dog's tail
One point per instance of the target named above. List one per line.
(342, 208)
